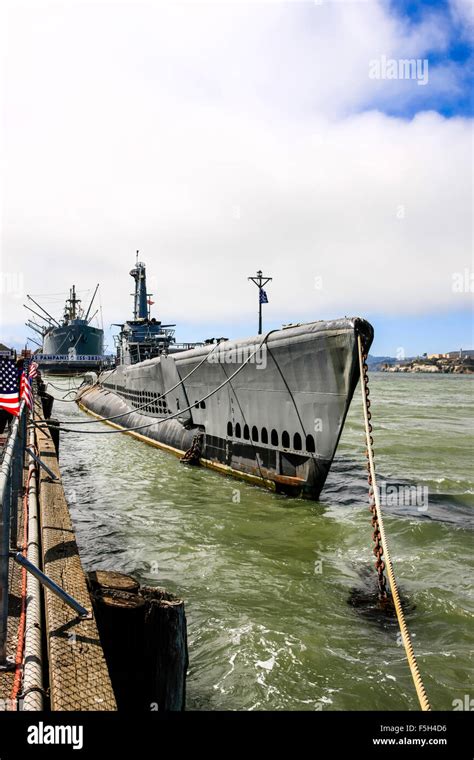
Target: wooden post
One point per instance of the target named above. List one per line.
(108, 580)
(143, 632)
(47, 404)
(120, 620)
(166, 649)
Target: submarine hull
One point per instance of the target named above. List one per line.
(268, 409)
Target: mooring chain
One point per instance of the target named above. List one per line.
(380, 537)
(194, 453)
(378, 548)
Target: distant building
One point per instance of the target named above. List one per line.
(437, 356)
(460, 354)
(6, 352)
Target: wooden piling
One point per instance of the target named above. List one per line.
(47, 401)
(108, 580)
(143, 632)
(166, 649)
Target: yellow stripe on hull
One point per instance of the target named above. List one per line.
(217, 466)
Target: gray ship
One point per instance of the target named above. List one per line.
(269, 409)
(72, 345)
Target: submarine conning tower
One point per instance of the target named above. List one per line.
(140, 307)
(143, 337)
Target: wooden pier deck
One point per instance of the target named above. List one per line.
(78, 674)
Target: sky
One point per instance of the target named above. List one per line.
(221, 138)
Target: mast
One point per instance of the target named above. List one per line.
(73, 301)
(43, 310)
(140, 310)
(90, 320)
(33, 326)
(92, 301)
(260, 281)
(48, 321)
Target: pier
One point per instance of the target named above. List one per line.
(56, 648)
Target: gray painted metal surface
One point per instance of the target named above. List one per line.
(77, 335)
(278, 420)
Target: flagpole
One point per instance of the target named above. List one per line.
(260, 281)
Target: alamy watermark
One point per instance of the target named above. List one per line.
(318, 282)
(12, 284)
(463, 282)
(400, 638)
(467, 703)
(416, 69)
(400, 354)
(43, 733)
(248, 354)
(404, 496)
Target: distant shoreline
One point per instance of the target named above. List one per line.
(427, 369)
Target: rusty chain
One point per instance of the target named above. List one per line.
(376, 537)
(194, 453)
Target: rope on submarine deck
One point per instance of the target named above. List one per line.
(179, 413)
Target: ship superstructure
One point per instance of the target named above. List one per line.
(144, 337)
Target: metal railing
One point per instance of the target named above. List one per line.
(11, 488)
(11, 485)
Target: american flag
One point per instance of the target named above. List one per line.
(25, 386)
(9, 394)
(263, 296)
(33, 371)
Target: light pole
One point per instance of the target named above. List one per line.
(260, 280)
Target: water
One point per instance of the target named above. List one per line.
(268, 580)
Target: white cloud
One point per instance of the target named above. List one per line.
(221, 139)
(463, 14)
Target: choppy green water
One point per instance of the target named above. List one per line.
(267, 580)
